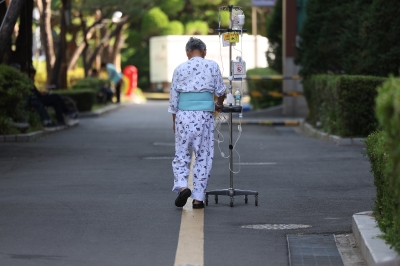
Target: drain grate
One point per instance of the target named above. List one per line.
(276, 226)
(313, 250)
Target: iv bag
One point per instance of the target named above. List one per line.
(238, 19)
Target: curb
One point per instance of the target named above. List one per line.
(373, 248)
(29, 137)
(100, 111)
(339, 141)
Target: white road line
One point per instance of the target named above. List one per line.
(158, 158)
(190, 250)
(261, 163)
(164, 144)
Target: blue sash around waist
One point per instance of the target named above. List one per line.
(196, 101)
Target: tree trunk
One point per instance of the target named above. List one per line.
(3, 10)
(59, 73)
(119, 41)
(78, 51)
(104, 41)
(46, 35)
(8, 23)
(23, 51)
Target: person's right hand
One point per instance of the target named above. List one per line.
(218, 107)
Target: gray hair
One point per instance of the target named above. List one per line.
(195, 44)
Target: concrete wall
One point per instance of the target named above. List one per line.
(293, 106)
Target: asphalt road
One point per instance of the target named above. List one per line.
(100, 193)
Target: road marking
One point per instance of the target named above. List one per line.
(190, 250)
(164, 144)
(159, 158)
(261, 163)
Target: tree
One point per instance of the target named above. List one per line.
(59, 71)
(154, 22)
(171, 7)
(23, 43)
(350, 37)
(196, 27)
(105, 41)
(44, 7)
(380, 39)
(274, 35)
(175, 27)
(8, 23)
(319, 51)
(82, 48)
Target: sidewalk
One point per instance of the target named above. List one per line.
(364, 226)
(368, 238)
(32, 136)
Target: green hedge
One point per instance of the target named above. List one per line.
(383, 150)
(92, 83)
(89, 83)
(259, 89)
(14, 91)
(341, 104)
(84, 98)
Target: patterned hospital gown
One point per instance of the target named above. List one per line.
(194, 129)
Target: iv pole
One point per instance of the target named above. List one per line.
(231, 192)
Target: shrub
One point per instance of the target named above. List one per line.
(377, 151)
(260, 90)
(14, 90)
(383, 150)
(344, 105)
(89, 83)
(92, 83)
(84, 98)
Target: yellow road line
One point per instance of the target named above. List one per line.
(190, 250)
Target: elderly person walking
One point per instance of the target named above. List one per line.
(194, 84)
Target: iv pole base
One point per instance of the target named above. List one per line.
(231, 193)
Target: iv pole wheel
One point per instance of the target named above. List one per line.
(256, 200)
(216, 199)
(206, 200)
(231, 203)
(245, 199)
